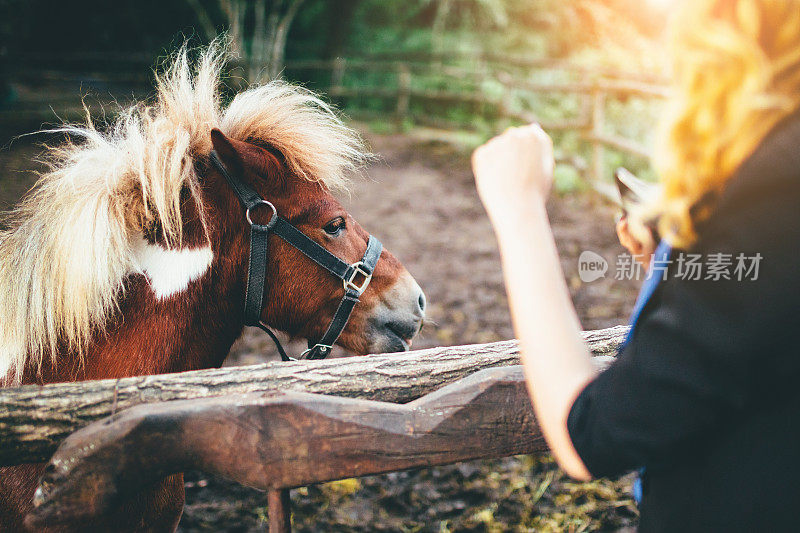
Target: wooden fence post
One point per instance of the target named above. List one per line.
(403, 94)
(598, 121)
(504, 105)
(337, 75)
(279, 511)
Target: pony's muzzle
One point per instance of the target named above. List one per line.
(397, 319)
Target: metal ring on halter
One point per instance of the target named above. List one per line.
(350, 281)
(324, 348)
(262, 202)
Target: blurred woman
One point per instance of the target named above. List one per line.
(703, 399)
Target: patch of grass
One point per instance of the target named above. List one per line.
(342, 487)
(382, 127)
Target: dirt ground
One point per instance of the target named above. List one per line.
(419, 199)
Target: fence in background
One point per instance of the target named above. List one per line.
(411, 91)
(591, 122)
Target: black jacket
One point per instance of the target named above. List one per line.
(705, 394)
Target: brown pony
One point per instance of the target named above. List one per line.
(130, 255)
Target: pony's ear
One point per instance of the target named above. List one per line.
(226, 151)
(239, 155)
(270, 165)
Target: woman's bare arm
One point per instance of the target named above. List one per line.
(513, 174)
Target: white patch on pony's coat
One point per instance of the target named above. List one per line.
(170, 271)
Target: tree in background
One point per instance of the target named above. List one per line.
(258, 31)
(618, 33)
(622, 33)
(264, 32)
(466, 15)
(339, 17)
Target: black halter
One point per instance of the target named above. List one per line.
(355, 277)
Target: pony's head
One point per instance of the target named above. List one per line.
(135, 220)
(301, 297)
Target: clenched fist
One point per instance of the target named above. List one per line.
(514, 167)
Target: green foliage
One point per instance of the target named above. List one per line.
(382, 127)
(479, 96)
(567, 180)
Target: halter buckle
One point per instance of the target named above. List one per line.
(324, 349)
(350, 282)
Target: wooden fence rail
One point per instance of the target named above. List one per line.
(283, 440)
(35, 419)
(269, 435)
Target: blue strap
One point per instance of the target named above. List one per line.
(637, 490)
(654, 276)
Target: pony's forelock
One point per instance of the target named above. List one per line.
(67, 249)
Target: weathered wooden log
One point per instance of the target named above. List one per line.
(281, 440)
(35, 419)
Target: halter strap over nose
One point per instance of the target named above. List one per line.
(355, 278)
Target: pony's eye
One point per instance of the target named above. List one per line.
(335, 226)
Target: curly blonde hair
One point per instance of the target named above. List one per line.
(736, 72)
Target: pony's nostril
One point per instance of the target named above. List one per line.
(421, 301)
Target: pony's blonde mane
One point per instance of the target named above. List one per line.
(67, 248)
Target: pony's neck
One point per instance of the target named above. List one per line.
(154, 333)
